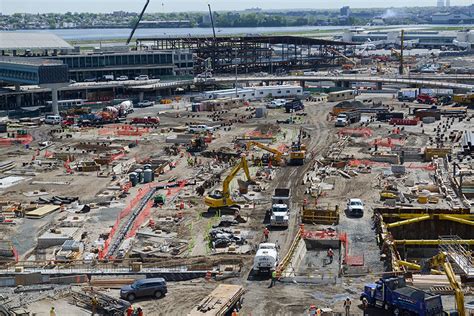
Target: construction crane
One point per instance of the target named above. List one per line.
(277, 155)
(441, 260)
(221, 200)
(138, 22)
(343, 56)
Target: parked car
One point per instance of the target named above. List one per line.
(90, 80)
(144, 288)
(142, 77)
(200, 128)
(144, 104)
(355, 207)
(278, 103)
(108, 78)
(122, 78)
(53, 119)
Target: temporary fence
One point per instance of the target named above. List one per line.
(141, 218)
(388, 142)
(355, 132)
(19, 140)
(428, 167)
(364, 162)
(123, 130)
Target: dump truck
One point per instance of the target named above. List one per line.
(280, 211)
(222, 301)
(266, 258)
(426, 99)
(393, 294)
(347, 118)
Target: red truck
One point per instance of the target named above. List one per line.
(148, 120)
(426, 99)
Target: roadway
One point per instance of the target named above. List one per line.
(440, 83)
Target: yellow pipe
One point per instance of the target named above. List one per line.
(409, 221)
(416, 215)
(456, 219)
(415, 266)
(432, 242)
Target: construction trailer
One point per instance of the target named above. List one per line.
(341, 95)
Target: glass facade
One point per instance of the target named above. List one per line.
(132, 64)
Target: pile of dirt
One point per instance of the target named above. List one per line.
(271, 129)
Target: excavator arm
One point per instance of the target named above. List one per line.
(278, 154)
(224, 200)
(441, 260)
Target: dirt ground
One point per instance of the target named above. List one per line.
(289, 298)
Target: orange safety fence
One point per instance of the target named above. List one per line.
(141, 218)
(364, 162)
(23, 140)
(356, 132)
(429, 167)
(388, 142)
(123, 130)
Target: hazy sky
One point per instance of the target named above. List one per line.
(35, 6)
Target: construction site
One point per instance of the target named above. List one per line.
(340, 183)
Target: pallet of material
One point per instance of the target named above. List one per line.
(42, 211)
(431, 281)
(220, 301)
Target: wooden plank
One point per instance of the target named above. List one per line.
(42, 211)
(219, 301)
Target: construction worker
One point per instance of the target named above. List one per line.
(312, 310)
(139, 312)
(266, 232)
(330, 255)
(347, 306)
(130, 310)
(365, 302)
(52, 312)
(274, 278)
(95, 304)
(234, 312)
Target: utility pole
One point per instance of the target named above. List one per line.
(400, 68)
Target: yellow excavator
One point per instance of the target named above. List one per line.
(221, 200)
(297, 152)
(441, 260)
(277, 157)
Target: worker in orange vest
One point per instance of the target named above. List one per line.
(234, 313)
(266, 232)
(130, 310)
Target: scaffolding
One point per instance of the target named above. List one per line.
(458, 252)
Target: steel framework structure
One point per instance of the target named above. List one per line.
(250, 53)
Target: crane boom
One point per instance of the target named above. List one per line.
(138, 22)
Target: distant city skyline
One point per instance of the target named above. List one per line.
(102, 6)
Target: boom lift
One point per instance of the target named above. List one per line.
(346, 66)
(220, 200)
(277, 155)
(441, 260)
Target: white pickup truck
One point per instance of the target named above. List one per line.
(266, 258)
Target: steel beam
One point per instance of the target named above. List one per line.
(431, 242)
(409, 221)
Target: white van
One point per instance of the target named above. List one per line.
(53, 119)
(142, 77)
(200, 128)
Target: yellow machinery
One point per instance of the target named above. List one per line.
(297, 152)
(441, 260)
(464, 99)
(219, 200)
(277, 155)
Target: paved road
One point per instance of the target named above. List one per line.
(440, 83)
